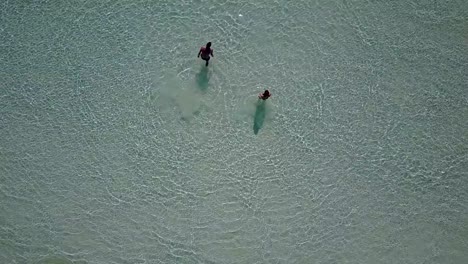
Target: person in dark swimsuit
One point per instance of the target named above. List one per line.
(265, 95)
(205, 52)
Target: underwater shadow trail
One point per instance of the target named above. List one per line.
(260, 114)
(202, 79)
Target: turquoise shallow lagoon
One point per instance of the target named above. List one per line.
(119, 146)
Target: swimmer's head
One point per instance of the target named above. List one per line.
(208, 44)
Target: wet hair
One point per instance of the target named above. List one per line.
(208, 44)
(266, 92)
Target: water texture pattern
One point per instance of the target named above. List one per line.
(119, 146)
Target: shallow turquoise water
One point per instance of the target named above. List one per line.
(118, 145)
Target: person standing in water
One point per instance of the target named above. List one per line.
(265, 95)
(205, 52)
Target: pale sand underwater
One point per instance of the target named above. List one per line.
(119, 146)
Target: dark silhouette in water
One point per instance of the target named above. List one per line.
(203, 79)
(205, 53)
(265, 95)
(260, 114)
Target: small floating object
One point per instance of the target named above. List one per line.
(240, 15)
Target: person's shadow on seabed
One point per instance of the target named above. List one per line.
(259, 117)
(202, 79)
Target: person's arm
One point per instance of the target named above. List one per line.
(199, 52)
(212, 53)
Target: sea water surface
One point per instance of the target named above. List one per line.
(117, 145)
